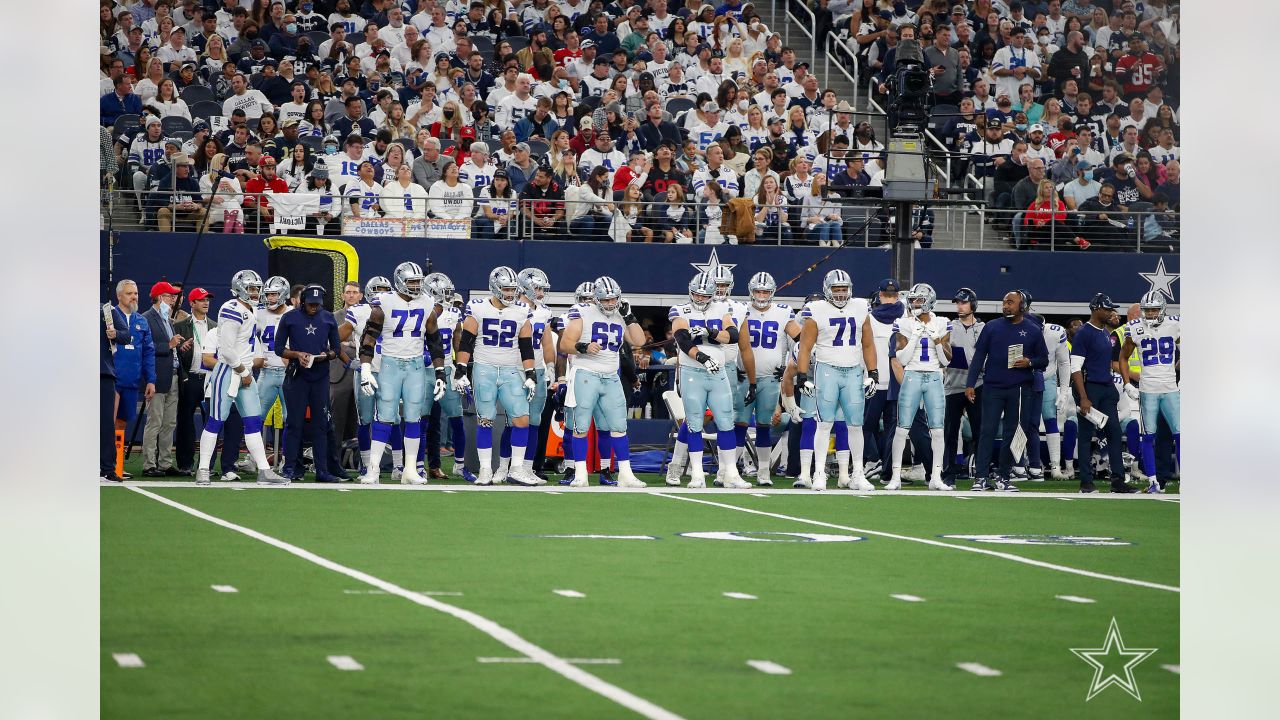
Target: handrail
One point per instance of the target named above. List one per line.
(810, 30)
(853, 79)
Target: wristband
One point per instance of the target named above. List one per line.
(581, 348)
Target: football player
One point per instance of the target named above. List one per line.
(232, 382)
(595, 387)
(353, 323)
(702, 327)
(448, 317)
(584, 293)
(739, 360)
(275, 297)
(498, 333)
(923, 346)
(399, 323)
(837, 335)
(533, 289)
(1156, 336)
(769, 326)
(1055, 401)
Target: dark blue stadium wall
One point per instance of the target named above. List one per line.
(1061, 278)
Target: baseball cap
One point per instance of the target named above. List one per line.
(313, 295)
(259, 43)
(958, 10)
(1083, 165)
(522, 146)
(267, 161)
(888, 285)
(601, 60)
(709, 106)
(1038, 127)
(269, 62)
(442, 56)
(502, 172)
(1102, 300)
(588, 43)
(163, 288)
(775, 119)
(199, 294)
(289, 122)
(152, 120)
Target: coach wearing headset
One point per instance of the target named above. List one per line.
(1093, 350)
(1009, 351)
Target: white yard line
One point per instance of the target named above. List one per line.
(572, 661)
(223, 588)
(907, 598)
(1076, 599)
(127, 660)
(569, 593)
(930, 541)
(1175, 669)
(740, 596)
(769, 668)
(979, 669)
(344, 662)
(499, 633)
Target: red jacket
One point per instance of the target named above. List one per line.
(254, 187)
(1040, 213)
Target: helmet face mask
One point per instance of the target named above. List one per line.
(274, 292)
(837, 288)
(762, 288)
(584, 293)
(723, 278)
(701, 291)
(409, 280)
(1152, 306)
(504, 285)
(921, 299)
(534, 284)
(607, 294)
(246, 285)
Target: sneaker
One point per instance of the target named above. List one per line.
(697, 480)
(1154, 487)
(763, 479)
(915, 474)
(802, 484)
(267, 476)
(938, 484)
(1121, 488)
(1087, 486)
(436, 474)
(1003, 485)
(485, 477)
(468, 475)
(370, 477)
(503, 472)
(819, 481)
(230, 477)
(606, 478)
(1035, 474)
(1059, 473)
(893, 484)
(202, 477)
(520, 475)
(396, 472)
(979, 485)
(1019, 473)
(735, 482)
(629, 480)
(871, 470)
(245, 464)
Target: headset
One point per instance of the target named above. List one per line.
(1025, 305)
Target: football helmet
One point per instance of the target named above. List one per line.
(278, 286)
(607, 293)
(246, 285)
(702, 290)
(409, 279)
(440, 287)
(837, 279)
(504, 285)
(585, 292)
(722, 277)
(762, 282)
(923, 294)
(1152, 309)
(377, 284)
(533, 284)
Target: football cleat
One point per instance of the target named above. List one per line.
(697, 480)
(410, 476)
(937, 484)
(734, 481)
(674, 473)
(1121, 488)
(579, 481)
(861, 484)
(503, 472)
(230, 477)
(485, 477)
(915, 474)
(894, 484)
(267, 476)
(396, 472)
(1019, 472)
(627, 479)
(819, 481)
(606, 478)
(202, 477)
(1035, 474)
(1154, 487)
(520, 475)
(1060, 473)
(370, 478)
(871, 470)
(802, 483)
(979, 484)
(468, 475)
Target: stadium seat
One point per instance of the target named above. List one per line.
(183, 135)
(678, 105)
(193, 94)
(940, 116)
(518, 42)
(538, 148)
(317, 37)
(314, 143)
(252, 124)
(206, 110)
(333, 110)
(175, 123)
(125, 123)
(408, 143)
(482, 44)
(494, 146)
(446, 144)
(255, 80)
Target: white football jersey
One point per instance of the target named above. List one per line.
(447, 321)
(1059, 368)
(498, 331)
(839, 331)
(358, 316)
(242, 339)
(540, 321)
(712, 319)
(607, 330)
(738, 311)
(769, 340)
(927, 356)
(1158, 352)
(268, 323)
(404, 324)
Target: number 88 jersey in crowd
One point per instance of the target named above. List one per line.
(1157, 346)
(499, 329)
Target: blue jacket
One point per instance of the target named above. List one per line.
(111, 106)
(135, 360)
(526, 126)
(994, 341)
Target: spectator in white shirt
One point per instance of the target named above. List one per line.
(176, 52)
(252, 102)
(402, 197)
(167, 102)
(451, 197)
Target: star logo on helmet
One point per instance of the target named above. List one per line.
(712, 263)
(1161, 280)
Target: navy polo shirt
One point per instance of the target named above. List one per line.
(312, 334)
(1095, 346)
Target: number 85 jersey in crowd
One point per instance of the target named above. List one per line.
(404, 323)
(499, 330)
(839, 340)
(597, 327)
(1157, 351)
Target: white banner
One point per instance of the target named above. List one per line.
(407, 227)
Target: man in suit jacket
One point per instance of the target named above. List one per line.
(654, 130)
(162, 409)
(194, 329)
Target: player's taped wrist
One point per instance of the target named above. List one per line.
(581, 347)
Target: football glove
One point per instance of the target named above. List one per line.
(698, 332)
(742, 375)
(804, 384)
(751, 394)
(869, 384)
(461, 383)
(707, 362)
(368, 383)
(440, 387)
(789, 404)
(778, 372)
(530, 384)
(1066, 402)
(1132, 391)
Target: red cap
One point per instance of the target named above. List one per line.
(163, 288)
(266, 161)
(199, 294)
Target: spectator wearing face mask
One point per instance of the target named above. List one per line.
(1083, 188)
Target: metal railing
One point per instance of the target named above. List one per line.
(809, 29)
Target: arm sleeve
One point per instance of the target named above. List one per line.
(683, 340)
(335, 341)
(979, 356)
(526, 348)
(281, 339)
(226, 351)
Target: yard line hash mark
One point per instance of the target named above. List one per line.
(499, 633)
(929, 541)
(344, 662)
(127, 660)
(769, 668)
(571, 661)
(223, 588)
(1175, 669)
(907, 598)
(431, 593)
(979, 669)
(740, 596)
(1076, 599)
(569, 593)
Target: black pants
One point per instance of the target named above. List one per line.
(190, 393)
(1165, 467)
(107, 426)
(877, 441)
(433, 437)
(921, 447)
(959, 406)
(299, 394)
(1104, 397)
(793, 449)
(232, 438)
(1009, 404)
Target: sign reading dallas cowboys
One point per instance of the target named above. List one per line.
(664, 270)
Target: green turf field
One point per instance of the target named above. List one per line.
(653, 615)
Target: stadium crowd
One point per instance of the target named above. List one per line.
(661, 121)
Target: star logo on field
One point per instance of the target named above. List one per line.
(1127, 658)
(311, 329)
(1161, 280)
(712, 263)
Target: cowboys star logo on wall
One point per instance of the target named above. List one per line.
(712, 263)
(1161, 280)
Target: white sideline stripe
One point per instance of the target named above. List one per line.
(769, 668)
(979, 669)
(740, 596)
(907, 598)
(344, 662)
(344, 489)
(1076, 599)
(572, 661)
(127, 660)
(936, 543)
(432, 593)
(963, 497)
(223, 588)
(569, 593)
(1067, 499)
(1175, 669)
(553, 663)
(759, 495)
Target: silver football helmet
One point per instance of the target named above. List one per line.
(377, 284)
(246, 285)
(831, 284)
(533, 284)
(409, 279)
(702, 290)
(723, 278)
(607, 294)
(504, 285)
(921, 298)
(762, 282)
(1152, 309)
(585, 292)
(278, 286)
(440, 287)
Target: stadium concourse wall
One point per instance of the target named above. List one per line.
(1060, 282)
